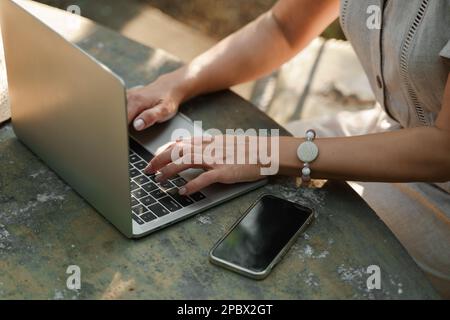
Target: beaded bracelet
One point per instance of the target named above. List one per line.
(307, 152)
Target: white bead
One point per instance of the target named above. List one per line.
(307, 151)
(306, 171)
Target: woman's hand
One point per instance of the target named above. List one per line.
(156, 102)
(216, 155)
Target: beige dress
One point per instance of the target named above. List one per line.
(407, 62)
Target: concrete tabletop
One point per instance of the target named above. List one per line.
(45, 226)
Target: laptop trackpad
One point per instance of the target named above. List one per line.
(160, 134)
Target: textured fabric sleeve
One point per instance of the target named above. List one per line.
(445, 53)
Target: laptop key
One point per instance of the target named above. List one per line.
(179, 182)
(140, 165)
(147, 200)
(170, 204)
(149, 187)
(147, 217)
(134, 202)
(139, 193)
(141, 179)
(134, 173)
(136, 218)
(174, 177)
(183, 200)
(158, 210)
(166, 185)
(158, 193)
(134, 158)
(133, 186)
(197, 196)
(139, 209)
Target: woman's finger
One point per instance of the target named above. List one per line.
(135, 104)
(164, 147)
(172, 153)
(160, 112)
(175, 151)
(147, 118)
(205, 179)
(174, 168)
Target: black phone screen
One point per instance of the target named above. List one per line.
(263, 232)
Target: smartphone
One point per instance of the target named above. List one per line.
(260, 238)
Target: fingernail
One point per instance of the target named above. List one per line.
(159, 177)
(182, 191)
(139, 124)
(148, 168)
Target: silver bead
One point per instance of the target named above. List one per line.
(306, 171)
(310, 135)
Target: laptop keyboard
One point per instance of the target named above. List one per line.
(151, 200)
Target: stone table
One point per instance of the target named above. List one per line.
(46, 227)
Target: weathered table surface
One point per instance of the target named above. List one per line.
(45, 226)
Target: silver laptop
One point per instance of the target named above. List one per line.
(70, 110)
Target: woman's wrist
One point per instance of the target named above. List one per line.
(184, 85)
(177, 84)
(290, 165)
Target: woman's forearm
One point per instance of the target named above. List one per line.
(417, 154)
(251, 52)
(258, 48)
